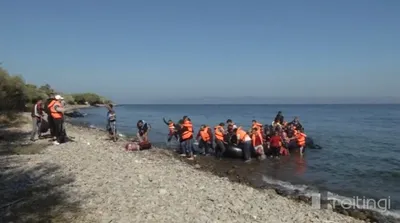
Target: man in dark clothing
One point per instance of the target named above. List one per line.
(279, 118)
(50, 119)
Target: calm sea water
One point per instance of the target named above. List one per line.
(361, 143)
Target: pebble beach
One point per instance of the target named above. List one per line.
(92, 179)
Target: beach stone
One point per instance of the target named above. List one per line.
(357, 214)
(162, 191)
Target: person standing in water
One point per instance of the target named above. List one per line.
(275, 144)
(301, 140)
(219, 134)
(257, 141)
(205, 141)
(244, 139)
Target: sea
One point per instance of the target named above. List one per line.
(360, 144)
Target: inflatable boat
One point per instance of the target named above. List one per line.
(309, 145)
(233, 151)
(75, 114)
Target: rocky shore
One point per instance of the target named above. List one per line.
(92, 179)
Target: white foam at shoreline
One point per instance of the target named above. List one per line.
(310, 192)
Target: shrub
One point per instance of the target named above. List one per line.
(16, 95)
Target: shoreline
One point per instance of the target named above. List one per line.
(112, 184)
(238, 173)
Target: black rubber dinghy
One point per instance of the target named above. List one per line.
(233, 151)
(309, 145)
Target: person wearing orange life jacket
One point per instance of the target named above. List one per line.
(187, 123)
(205, 139)
(301, 140)
(258, 126)
(57, 113)
(172, 129)
(257, 142)
(244, 141)
(219, 135)
(186, 138)
(49, 118)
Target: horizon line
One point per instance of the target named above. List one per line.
(396, 103)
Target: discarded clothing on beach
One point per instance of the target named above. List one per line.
(136, 146)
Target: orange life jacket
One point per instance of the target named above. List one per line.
(301, 139)
(186, 134)
(258, 126)
(204, 135)
(189, 125)
(218, 134)
(254, 139)
(55, 114)
(242, 134)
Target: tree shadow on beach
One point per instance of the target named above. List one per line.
(33, 194)
(31, 191)
(13, 141)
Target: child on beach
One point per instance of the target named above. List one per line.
(172, 130)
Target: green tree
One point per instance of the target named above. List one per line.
(47, 89)
(17, 95)
(69, 99)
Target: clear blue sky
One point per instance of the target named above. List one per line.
(135, 50)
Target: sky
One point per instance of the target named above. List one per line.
(142, 51)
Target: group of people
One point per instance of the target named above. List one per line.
(261, 139)
(274, 138)
(54, 108)
(142, 126)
